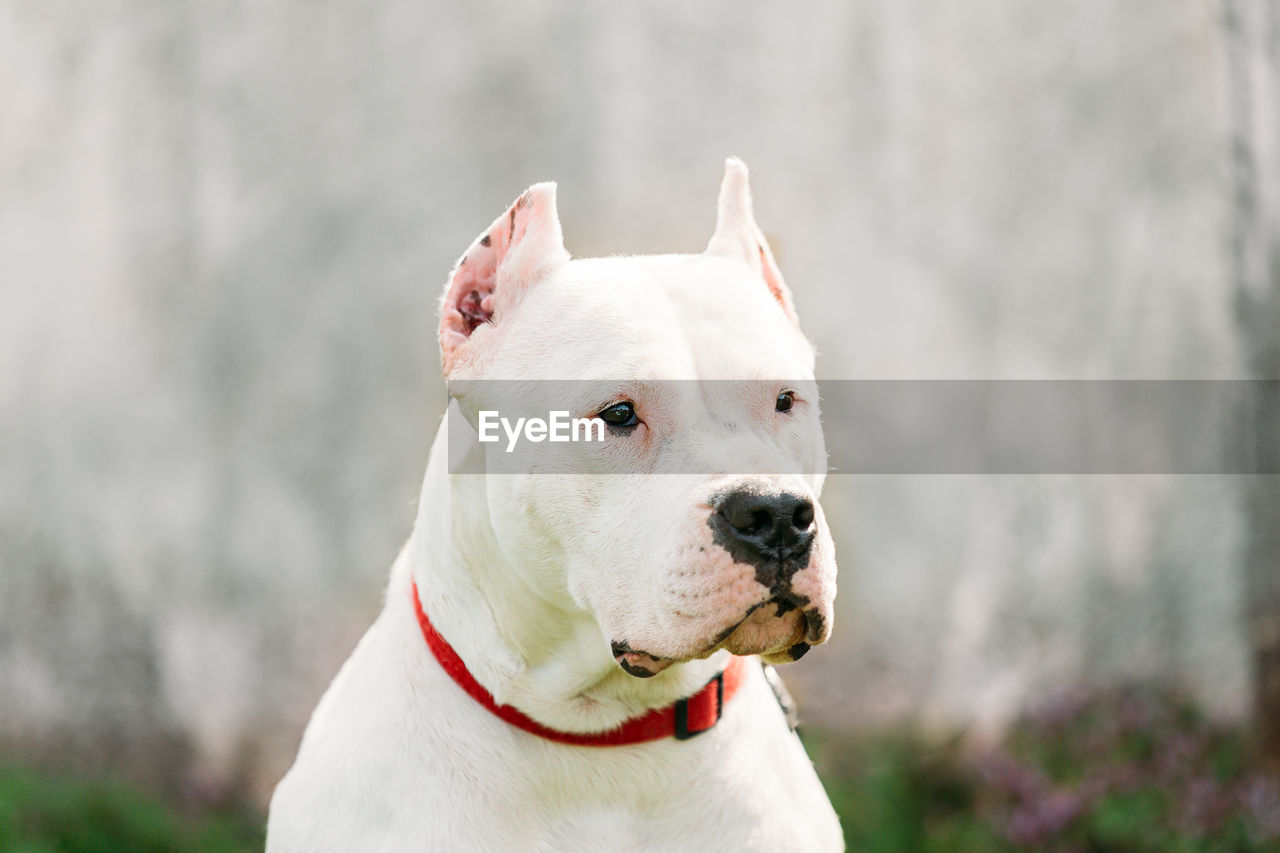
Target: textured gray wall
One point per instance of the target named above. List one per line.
(223, 226)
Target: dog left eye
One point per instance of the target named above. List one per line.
(785, 401)
(620, 415)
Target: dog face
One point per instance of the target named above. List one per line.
(696, 364)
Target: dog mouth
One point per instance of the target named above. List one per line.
(780, 629)
(639, 663)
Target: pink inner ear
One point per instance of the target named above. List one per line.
(514, 253)
(472, 292)
(474, 311)
(773, 277)
(468, 301)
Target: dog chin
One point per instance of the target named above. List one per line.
(776, 638)
(776, 634)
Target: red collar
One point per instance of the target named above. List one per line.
(681, 720)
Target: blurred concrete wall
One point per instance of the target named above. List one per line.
(223, 226)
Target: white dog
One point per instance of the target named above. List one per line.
(563, 659)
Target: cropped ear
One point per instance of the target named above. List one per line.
(521, 247)
(738, 236)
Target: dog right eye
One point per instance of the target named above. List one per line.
(620, 415)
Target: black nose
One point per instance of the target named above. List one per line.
(765, 528)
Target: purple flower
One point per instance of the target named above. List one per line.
(1261, 799)
(1037, 821)
(1205, 806)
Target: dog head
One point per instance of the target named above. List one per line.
(694, 525)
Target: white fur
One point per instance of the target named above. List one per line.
(530, 577)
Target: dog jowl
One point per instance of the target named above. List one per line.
(567, 649)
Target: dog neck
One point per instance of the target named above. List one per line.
(542, 655)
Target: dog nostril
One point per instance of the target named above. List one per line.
(761, 521)
(803, 516)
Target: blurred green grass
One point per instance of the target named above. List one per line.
(1121, 770)
(46, 813)
(1128, 769)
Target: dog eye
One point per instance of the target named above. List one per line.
(620, 415)
(784, 402)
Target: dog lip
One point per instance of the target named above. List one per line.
(638, 672)
(812, 635)
(622, 647)
(785, 602)
(633, 661)
(815, 625)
